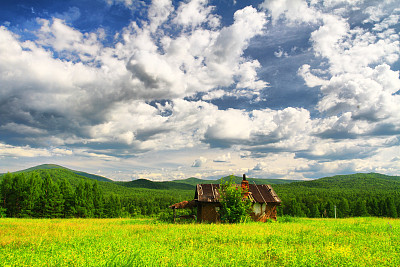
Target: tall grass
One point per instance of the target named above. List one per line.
(146, 242)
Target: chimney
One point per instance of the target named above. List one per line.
(245, 186)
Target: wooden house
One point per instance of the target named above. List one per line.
(263, 197)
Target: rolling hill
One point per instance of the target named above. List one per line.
(358, 181)
(144, 183)
(237, 179)
(361, 194)
(54, 166)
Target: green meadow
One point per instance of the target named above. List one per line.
(148, 242)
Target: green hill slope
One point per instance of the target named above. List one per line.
(237, 179)
(54, 166)
(144, 183)
(358, 181)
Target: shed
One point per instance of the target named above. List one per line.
(263, 197)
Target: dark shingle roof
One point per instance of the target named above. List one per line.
(257, 193)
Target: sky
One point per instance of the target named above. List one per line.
(166, 90)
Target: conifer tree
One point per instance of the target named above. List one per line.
(314, 211)
(80, 201)
(98, 201)
(32, 194)
(89, 199)
(51, 200)
(344, 208)
(391, 207)
(361, 208)
(69, 199)
(7, 194)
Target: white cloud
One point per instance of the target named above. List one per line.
(199, 162)
(30, 152)
(197, 61)
(216, 94)
(281, 53)
(293, 10)
(138, 97)
(223, 158)
(25, 151)
(311, 80)
(69, 42)
(126, 3)
(194, 13)
(159, 12)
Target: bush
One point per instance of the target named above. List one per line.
(166, 216)
(234, 208)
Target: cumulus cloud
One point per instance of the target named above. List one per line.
(199, 162)
(160, 85)
(89, 86)
(293, 10)
(194, 13)
(223, 158)
(30, 152)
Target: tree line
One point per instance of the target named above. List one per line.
(62, 194)
(44, 194)
(30, 195)
(319, 203)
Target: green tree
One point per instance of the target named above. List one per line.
(51, 200)
(391, 207)
(98, 201)
(113, 206)
(89, 200)
(80, 201)
(6, 193)
(344, 208)
(361, 208)
(31, 196)
(330, 209)
(314, 211)
(234, 208)
(69, 199)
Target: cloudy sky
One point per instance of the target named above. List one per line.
(165, 90)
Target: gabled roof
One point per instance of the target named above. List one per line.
(257, 193)
(184, 205)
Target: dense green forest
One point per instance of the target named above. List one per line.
(353, 195)
(58, 192)
(51, 191)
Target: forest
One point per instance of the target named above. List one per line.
(62, 193)
(59, 194)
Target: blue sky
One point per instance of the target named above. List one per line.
(165, 90)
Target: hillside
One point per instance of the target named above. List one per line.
(54, 166)
(194, 181)
(144, 183)
(124, 189)
(358, 181)
(354, 195)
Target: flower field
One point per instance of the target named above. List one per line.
(147, 242)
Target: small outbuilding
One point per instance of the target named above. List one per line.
(263, 197)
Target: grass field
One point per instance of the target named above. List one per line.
(146, 242)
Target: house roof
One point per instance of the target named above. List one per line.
(184, 205)
(257, 193)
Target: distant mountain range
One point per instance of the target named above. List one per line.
(360, 181)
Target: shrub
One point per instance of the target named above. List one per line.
(234, 208)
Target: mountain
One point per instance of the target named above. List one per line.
(54, 166)
(144, 183)
(237, 179)
(358, 181)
